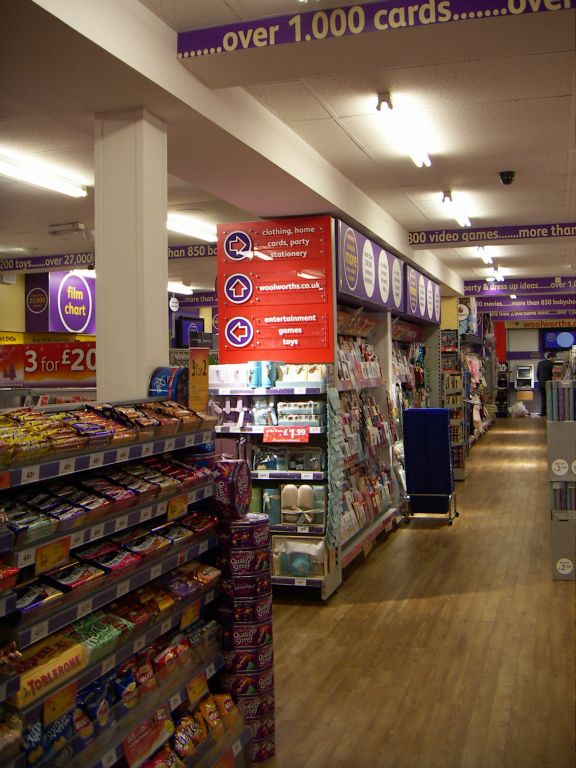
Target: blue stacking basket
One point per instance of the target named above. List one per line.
(428, 460)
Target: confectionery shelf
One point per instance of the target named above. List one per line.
(107, 589)
(138, 640)
(51, 467)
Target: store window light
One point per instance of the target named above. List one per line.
(184, 224)
(403, 127)
(455, 209)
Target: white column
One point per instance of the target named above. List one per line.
(131, 252)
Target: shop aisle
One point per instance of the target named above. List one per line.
(448, 647)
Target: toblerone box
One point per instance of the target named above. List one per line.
(46, 665)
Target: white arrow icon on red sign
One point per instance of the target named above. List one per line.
(238, 288)
(239, 331)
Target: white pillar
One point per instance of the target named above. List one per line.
(131, 252)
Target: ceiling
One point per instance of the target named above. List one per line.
(495, 94)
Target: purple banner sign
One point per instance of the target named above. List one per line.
(534, 314)
(368, 273)
(200, 299)
(469, 236)
(502, 304)
(62, 261)
(523, 286)
(423, 298)
(351, 20)
(547, 321)
(192, 251)
(60, 302)
(72, 303)
(37, 302)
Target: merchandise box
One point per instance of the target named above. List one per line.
(563, 549)
(299, 556)
(303, 504)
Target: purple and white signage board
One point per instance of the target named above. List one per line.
(37, 291)
(201, 250)
(559, 319)
(532, 286)
(357, 19)
(473, 236)
(502, 304)
(368, 273)
(65, 261)
(72, 303)
(200, 299)
(61, 302)
(61, 261)
(423, 299)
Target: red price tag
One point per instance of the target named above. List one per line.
(286, 434)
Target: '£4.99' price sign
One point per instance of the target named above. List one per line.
(61, 364)
(286, 434)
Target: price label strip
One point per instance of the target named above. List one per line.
(52, 555)
(58, 704)
(197, 688)
(190, 614)
(177, 507)
(30, 475)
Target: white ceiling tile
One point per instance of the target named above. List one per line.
(289, 101)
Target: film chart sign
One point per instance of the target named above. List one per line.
(275, 292)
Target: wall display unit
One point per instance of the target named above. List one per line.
(561, 435)
(107, 654)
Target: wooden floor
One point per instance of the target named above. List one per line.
(446, 647)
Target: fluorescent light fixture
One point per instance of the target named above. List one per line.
(403, 126)
(29, 170)
(490, 279)
(10, 249)
(183, 290)
(513, 296)
(455, 210)
(191, 226)
(481, 251)
(83, 272)
(497, 273)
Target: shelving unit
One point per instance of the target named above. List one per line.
(107, 747)
(502, 390)
(455, 396)
(356, 463)
(561, 436)
(269, 440)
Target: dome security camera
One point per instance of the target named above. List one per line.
(507, 177)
